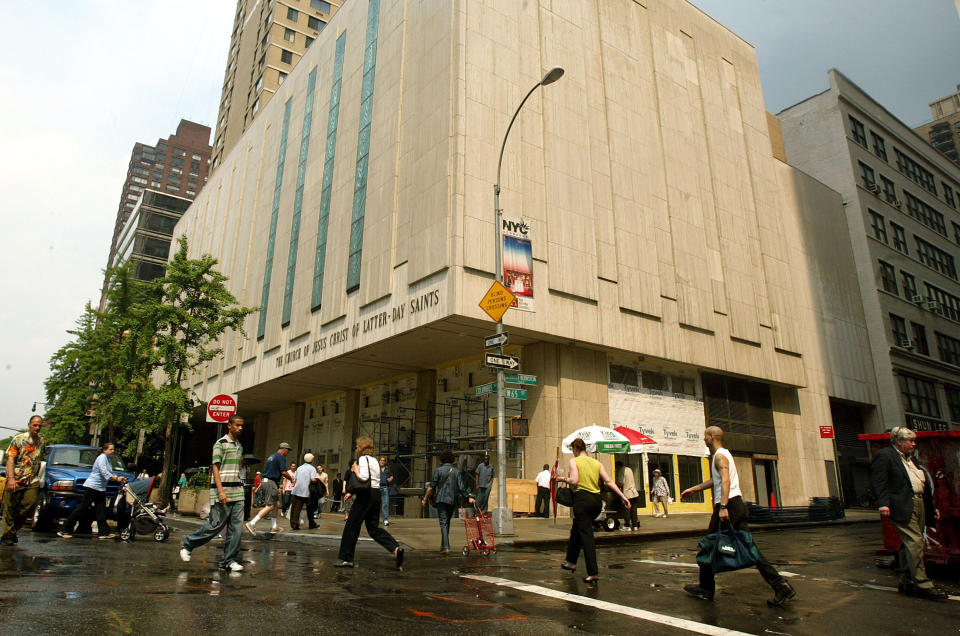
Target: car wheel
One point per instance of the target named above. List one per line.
(160, 534)
(42, 520)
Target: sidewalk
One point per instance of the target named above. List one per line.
(424, 534)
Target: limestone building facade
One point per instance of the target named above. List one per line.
(679, 274)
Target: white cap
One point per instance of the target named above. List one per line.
(308, 458)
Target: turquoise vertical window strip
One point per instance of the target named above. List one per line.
(363, 147)
(268, 265)
(298, 198)
(321, 255)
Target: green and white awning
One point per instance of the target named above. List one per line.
(598, 440)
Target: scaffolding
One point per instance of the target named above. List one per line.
(413, 439)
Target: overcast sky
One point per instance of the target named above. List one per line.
(83, 80)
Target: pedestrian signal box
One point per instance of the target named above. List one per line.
(515, 426)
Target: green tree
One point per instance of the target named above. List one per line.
(190, 312)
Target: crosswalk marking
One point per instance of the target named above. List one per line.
(663, 619)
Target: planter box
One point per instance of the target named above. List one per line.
(191, 502)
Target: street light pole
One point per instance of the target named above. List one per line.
(503, 515)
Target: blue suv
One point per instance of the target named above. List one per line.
(65, 469)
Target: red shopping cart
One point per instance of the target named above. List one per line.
(480, 536)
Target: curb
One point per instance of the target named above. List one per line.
(514, 543)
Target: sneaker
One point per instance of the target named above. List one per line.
(386, 523)
(276, 529)
(698, 592)
(249, 526)
(184, 555)
(233, 566)
(783, 592)
(343, 564)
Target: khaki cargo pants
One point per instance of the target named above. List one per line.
(17, 508)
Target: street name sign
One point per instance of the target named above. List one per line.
(520, 378)
(498, 361)
(496, 340)
(485, 389)
(515, 394)
(497, 301)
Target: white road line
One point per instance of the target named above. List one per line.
(684, 564)
(663, 619)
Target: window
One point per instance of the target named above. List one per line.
(309, 41)
(315, 23)
(665, 464)
(175, 170)
(909, 285)
(935, 258)
(281, 76)
(953, 402)
(867, 176)
(879, 148)
(690, 472)
(888, 278)
(948, 305)
(682, 386)
(898, 327)
(173, 188)
(132, 197)
(320, 5)
(154, 184)
(925, 214)
(192, 193)
(919, 396)
(627, 376)
(856, 130)
(654, 381)
(878, 226)
(915, 172)
(286, 56)
(139, 180)
(289, 35)
(956, 232)
(948, 195)
(292, 14)
(255, 107)
(179, 152)
(948, 348)
(196, 157)
(899, 238)
(889, 190)
(920, 339)
(136, 188)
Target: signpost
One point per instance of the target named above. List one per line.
(496, 340)
(520, 378)
(221, 407)
(500, 361)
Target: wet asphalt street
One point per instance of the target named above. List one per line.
(85, 586)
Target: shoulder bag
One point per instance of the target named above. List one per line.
(565, 496)
(727, 550)
(355, 485)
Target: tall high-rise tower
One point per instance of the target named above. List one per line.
(943, 132)
(269, 38)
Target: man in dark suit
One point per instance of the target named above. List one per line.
(905, 497)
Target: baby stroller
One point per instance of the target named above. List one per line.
(145, 517)
(609, 517)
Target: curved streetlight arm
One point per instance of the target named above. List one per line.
(513, 119)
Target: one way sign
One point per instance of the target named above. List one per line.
(501, 362)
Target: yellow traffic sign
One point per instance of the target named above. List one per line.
(497, 301)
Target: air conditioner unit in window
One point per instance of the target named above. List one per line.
(916, 299)
(904, 342)
(933, 305)
(898, 204)
(874, 188)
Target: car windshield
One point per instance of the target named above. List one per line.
(83, 458)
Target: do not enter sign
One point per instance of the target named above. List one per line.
(221, 407)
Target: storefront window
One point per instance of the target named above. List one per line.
(690, 471)
(665, 464)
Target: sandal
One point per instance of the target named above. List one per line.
(107, 536)
(566, 566)
(64, 535)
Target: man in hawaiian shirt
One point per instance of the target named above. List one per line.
(23, 479)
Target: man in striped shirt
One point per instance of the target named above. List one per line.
(226, 498)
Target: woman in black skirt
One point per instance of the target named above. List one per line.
(366, 509)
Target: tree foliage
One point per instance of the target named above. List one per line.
(126, 364)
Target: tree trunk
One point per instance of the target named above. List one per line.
(166, 480)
